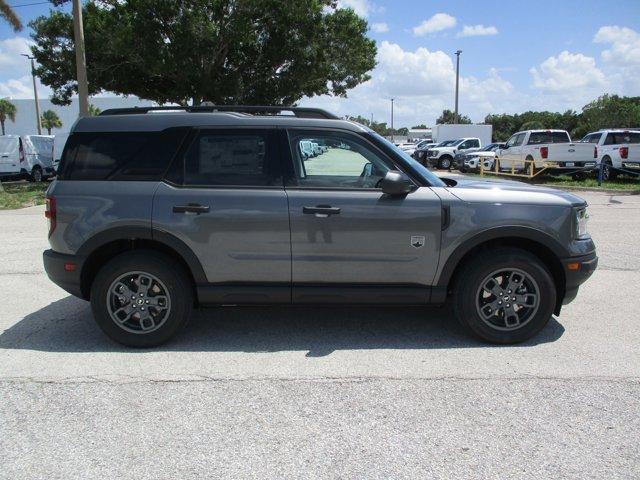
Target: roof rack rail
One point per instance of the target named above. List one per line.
(300, 112)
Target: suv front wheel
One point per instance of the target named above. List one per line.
(141, 298)
(504, 295)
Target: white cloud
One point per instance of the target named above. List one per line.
(437, 23)
(22, 87)
(11, 50)
(568, 73)
(477, 31)
(361, 7)
(422, 82)
(380, 27)
(625, 45)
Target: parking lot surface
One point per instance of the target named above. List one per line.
(321, 392)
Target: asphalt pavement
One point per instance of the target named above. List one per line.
(321, 392)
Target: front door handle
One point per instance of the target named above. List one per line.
(321, 210)
(191, 208)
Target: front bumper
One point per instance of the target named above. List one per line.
(59, 270)
(577, 271)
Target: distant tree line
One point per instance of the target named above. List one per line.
(608, 111)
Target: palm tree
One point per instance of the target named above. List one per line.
(10, 16)
(7, 112)
(93, 110)
(49, 120)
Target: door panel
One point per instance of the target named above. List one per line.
(228, 205)
(369, 242)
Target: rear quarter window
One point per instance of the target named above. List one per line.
(140, 156)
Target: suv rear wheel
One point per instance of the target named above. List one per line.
(36, 174)
(141, 298)
(504, 295)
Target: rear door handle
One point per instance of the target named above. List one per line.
(191, 208)
(321, 210)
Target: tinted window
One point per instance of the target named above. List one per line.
(233, 158)
(560, 137)
(119, 156)
(591, 138)
(519, 139)
(618, 138)
(536, 138)
(346, 162)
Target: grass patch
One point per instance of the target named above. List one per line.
(22, 194)
(626, 183)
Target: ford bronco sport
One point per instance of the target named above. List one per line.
(158, 210)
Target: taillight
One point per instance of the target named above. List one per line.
(544, 152)
(21, 150)
(595, 152)
(624, 152)
(50, 213)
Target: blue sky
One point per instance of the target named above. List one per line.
(516, 56)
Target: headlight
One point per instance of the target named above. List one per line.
(582, 217)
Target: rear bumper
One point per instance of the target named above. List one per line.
(59, 270)
(577, 271)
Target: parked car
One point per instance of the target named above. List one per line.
(544, 148)
(151, 214)
(27, 156)
(613, 148)
(471, 161)
(307, 148)
(442, 157)
(415, 146)
(420, 153)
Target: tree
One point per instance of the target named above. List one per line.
(10, 16)
(422, 126)
(609, 111)
(93, 110)
(449, 117)
(250, 51)
(50, 120)
(7, 112)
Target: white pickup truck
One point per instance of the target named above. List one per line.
(554, 149)
(442, 157)
(619, 148)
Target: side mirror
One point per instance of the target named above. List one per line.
(396, 183)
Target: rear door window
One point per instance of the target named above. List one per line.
(243, 158)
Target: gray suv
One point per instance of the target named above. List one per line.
(156, 210)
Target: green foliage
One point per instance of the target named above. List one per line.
(609, 111)
(93, 110)
(7, 112)
(422, 126)
(449, 117)
(505, 125)
(172, 51)
(10, 16)
(50, 120)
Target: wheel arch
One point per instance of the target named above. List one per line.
(102, 247)
(544, 247)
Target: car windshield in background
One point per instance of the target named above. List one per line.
(427, 175)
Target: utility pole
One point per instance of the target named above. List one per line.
(35, 92)
(81, 61)
(455, 115)
(392, 132)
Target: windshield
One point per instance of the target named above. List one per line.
(428, 176)
(455, 143)
(445, 143)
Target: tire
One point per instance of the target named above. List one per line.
(607, 172)
(36, 175)
(162, 322)
(444, 163)
(522, 267)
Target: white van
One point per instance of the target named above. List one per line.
(26, 156)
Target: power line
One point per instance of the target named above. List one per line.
(28, 4)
